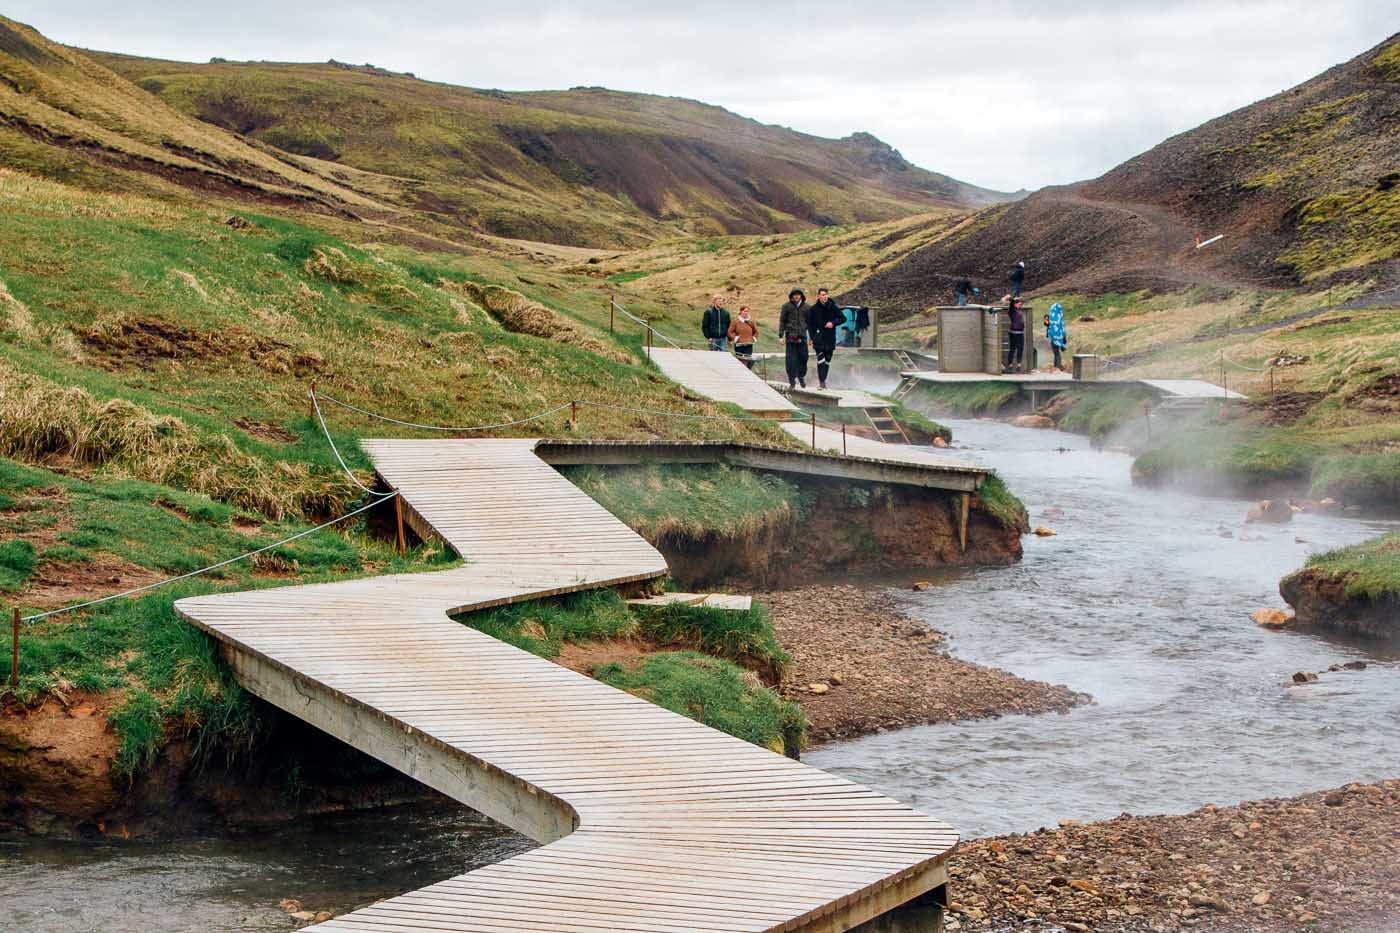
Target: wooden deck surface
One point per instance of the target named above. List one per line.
(1175, 388)
(652, 822)
(720, 376)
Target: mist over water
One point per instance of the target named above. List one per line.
(1139, 601)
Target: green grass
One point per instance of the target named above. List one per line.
(747, 638)
(698, 502)
(979, 398)
(17, 563)
(715, 692)
(1242, 457)
(1100, 412)
(915, 422)
(1371, 569)
(1371, 479)
(998, 499)
(706, 682)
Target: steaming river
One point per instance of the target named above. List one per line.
(1138, 601)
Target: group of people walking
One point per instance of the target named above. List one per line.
(800, 325)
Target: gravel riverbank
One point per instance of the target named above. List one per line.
(860, 665)
(1323, 861)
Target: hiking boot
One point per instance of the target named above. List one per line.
(802, 382)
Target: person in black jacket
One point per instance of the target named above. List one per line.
(822, 320)
(963, 290)
(1018, 275)
(715, 324)
(792, 331)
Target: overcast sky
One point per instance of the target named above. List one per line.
(1001, 93)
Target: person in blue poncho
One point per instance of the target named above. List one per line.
(1055, 333)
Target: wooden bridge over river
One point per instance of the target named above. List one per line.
(649, 821)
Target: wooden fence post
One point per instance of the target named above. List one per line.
(814, 430)
(573, 416)
(398, 518)
(611, 304)
(312, 398)
(14, 652)
(843, 440)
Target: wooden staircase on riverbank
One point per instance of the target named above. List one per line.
(884, 423)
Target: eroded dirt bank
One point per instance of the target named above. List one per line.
(848, 527)
(58, 778)
(1322, 861)
(859, 665)
(1321, 597)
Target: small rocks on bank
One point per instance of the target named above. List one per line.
(874, 668)
(1043, 532)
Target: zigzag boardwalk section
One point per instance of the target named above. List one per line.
(650, 821)
(721, 377)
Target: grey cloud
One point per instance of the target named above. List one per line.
(1007, 93)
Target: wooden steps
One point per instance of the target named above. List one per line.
(884, 423)
(649, 821)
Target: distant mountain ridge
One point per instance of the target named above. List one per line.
(1304, 186)
(587, 166)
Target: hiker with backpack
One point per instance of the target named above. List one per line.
(822, 320)
(792, 331)
(715, 324)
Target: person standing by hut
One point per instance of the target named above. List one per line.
(715, 324)
(792, 331)
(743, 331)
(1016, 336)
(822, 320)
(1055, 333)
(1018, 276)
(963, 291)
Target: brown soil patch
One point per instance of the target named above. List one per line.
(143, 341)
(55, 584)
(1323, 861)
(891, 668)
(1284, 407)
(585, 656)
(265, 430)
(60, 757)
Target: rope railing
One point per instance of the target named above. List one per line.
(377, 497)
(203, 570)
(645, 324)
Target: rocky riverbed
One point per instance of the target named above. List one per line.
(861, 665)
(1322, 861)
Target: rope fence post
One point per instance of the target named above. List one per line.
(14, 651)
(573, 416)
(843, 440)
(398, 519)
(647, 326)
(814, 430)
(1271, 382)
(312, 396)
(612, 309)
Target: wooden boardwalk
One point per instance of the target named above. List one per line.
(720, 376)
(1169, 388)
(651, 821)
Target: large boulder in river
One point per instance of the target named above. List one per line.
(1276, 511)
(1032, 421)
(1272, 618)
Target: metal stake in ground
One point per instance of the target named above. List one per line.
(14, 652)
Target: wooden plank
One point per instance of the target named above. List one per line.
(652, 822)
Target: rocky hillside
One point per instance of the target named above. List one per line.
(1304, 186)
(587, 166)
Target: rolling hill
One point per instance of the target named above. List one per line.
(587, 166)
(1304, 186)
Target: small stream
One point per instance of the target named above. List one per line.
(1141, 602)
(1138, 601)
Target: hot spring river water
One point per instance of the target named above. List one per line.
(1138, 601)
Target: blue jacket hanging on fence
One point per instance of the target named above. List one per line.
(1055, 329)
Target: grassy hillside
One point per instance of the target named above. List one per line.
(586, 166)
(1304, 186)
(154, 361)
